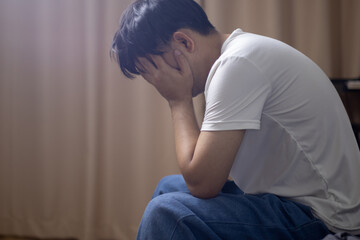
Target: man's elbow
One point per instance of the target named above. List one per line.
(204, 192)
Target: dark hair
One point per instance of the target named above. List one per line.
(146, 25)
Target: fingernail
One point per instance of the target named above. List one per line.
(177, 52)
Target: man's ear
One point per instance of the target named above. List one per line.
(184, 41)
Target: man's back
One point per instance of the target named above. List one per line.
(299, 143)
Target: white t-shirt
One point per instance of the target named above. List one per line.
(298, 142)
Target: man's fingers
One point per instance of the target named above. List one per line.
(146, 65)
(159, 61)
(182, 62)
(146, 69)
(154, 68)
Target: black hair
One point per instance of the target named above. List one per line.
(146, 25)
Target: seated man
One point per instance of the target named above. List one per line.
(273, 122)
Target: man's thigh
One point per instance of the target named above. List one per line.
(230, 215)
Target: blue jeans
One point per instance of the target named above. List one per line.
(174, 213)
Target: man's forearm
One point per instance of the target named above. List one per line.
(204, 158)
(186, 131)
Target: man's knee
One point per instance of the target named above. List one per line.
(161, 215)
(171, 183)
(161, 205)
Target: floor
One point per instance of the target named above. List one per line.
(13, 238)
(25, 238)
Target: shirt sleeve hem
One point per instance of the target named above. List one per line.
(223, 126)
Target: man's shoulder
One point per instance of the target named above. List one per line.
(249, 44)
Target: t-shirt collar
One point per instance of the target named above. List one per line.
(234, 34)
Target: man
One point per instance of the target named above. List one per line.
(273, 122)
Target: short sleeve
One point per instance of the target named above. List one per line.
(235, 96)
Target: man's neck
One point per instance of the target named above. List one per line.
(215, 44)
(211, 51)
(224, 37)
(217, 41)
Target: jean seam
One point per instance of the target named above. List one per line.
(180, 220)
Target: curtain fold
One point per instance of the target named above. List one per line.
(325, 30)
(81, 147)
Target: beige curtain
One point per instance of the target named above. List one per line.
(328, 31)
(81, 147)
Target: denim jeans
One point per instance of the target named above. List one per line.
(174, 213)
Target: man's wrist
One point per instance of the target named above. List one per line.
(180, 102)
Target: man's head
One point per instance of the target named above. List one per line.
(155, 27)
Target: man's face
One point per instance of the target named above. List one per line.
(169, 57)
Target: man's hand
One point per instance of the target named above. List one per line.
(175, 85)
